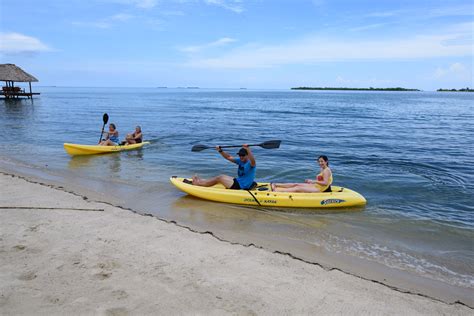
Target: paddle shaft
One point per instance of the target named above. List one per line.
(100, 139)
(272, 144)
(105, 119)
(235, 146)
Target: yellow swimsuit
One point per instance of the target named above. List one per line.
(323, 188)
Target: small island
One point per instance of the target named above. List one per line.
(355, 89)
(454, 90)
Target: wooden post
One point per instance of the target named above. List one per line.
(31, 93)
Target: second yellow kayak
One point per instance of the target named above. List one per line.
(77, 149)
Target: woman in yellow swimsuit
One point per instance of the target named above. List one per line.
(321, 184)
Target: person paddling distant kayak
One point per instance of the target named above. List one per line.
(321, 184)
(112, 138)
(134, 138)
(245, 174)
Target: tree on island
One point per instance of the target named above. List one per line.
(467, 89)
(354, 89)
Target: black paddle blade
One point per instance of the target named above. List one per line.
(199, 147)
(271, 144)
(105, 118)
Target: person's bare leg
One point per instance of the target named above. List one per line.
(130, 140)
(299, 187)
(282, 185)
(285, 185)
(223, 179)
(196, 180)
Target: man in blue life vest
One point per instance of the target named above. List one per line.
(245, 174)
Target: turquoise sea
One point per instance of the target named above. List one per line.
(411, 154)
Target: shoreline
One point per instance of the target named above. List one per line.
(398, 279)
(287, 256)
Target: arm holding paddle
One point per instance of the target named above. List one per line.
(231, 159)
(253, 163)
(225, 154)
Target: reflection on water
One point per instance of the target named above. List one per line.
(110, 161)
(135, 154)
(106, 163)
(195, 210)
(14, 105)
(77, 162)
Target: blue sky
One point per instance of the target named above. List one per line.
(241, 43)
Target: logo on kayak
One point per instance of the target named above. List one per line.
(332, 201)
(262, 201)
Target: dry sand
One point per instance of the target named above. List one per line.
(115, 262)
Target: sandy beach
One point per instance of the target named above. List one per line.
(62, 253)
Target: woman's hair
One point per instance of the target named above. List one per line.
(325, 158)
(139, 128)
(113, 125)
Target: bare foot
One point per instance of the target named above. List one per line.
(272, 185)
(196, 180)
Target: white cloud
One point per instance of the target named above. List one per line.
(446, 11)
(460, 10)
(318, 49)
(105, 23)
(94, 24)
(197, 48)
(318, 3)
(383, 14)
(172, 13)
(367, 27)
(231, 5)
(121, 17)
(455, 71)
(145, 4)
(16, 43)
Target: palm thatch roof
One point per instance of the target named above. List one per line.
(11, 72)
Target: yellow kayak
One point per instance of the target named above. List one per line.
(263, 195)
(76, 149)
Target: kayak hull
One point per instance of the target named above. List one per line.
(78, 150)
(339, 198)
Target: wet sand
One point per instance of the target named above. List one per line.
(61, 252)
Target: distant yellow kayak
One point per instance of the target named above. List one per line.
(76, 149)
(262, 195)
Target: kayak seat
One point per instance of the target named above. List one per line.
(253, 186)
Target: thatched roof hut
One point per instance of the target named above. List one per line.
(11, 72)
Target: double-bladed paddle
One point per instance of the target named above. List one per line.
(105, 118)
(271, 144)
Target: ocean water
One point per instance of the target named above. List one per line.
(411, 154)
